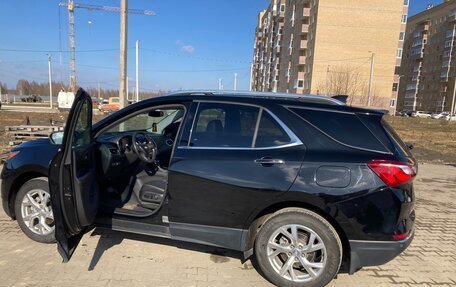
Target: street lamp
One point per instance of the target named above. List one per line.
(371, 76)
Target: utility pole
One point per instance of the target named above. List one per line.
(327, 80)
(371, 75)
(123, 53)
(50, 79)
(122, 10)
(452, 101)
(127, 100)
(137, 71)
(251, 77)
(235, 81)
(99, 91)
(72, 48)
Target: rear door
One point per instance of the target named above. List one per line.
(231, 158)
(74, 192)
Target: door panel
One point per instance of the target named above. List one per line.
(220, 185)
(74, 192)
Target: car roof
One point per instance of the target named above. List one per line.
(260, 95)
(316, 101)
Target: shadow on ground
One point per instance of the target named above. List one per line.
(109, 238)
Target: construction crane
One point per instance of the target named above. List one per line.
(71, 6)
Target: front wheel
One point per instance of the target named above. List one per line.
(34, 211)
(297, 247)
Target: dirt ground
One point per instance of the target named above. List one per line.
(433, 140)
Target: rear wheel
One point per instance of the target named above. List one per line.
(34, 211)
(297, 247)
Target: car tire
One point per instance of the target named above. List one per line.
(282, 244)
(35, 218)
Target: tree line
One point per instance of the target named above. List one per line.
(26, 88)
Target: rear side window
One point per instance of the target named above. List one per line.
(224, 125)
(270, 133)
(345, 128)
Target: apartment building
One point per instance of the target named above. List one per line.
(331, 47)
(428, 68)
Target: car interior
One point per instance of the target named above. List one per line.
(134, 156)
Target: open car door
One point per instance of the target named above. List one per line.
(72, 178)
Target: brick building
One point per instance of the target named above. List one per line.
(320, 46)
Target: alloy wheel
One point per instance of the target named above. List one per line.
(296, 253)
(37, 213)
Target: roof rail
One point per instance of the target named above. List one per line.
(256, 94)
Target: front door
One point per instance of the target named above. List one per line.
(72, 182)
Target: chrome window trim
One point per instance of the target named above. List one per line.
(294, 140)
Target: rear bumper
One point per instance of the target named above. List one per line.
(373, 253)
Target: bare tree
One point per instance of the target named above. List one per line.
(343, 80)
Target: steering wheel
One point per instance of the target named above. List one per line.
(145, 147)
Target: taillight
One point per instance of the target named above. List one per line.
(393, 173)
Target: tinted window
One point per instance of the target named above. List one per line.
(224, 125)
(270, 133)
(343, 127)
(83, 128)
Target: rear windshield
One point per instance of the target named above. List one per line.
(345, 128)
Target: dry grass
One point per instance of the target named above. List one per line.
(433, 140)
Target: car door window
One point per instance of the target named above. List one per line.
(224, 125)
(270, 133)
(83, 130)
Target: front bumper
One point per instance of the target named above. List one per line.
(373, 253)
(7, 176)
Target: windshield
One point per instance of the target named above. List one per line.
(153, 121)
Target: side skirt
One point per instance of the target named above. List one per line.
(134, 227)
(230, 238)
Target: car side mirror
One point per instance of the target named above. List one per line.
(409, 145)
(56, 137)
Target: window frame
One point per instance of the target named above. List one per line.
(294, 140)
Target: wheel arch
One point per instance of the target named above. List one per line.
(263, 215)
(18, 183)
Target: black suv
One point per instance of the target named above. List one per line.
(309, 186)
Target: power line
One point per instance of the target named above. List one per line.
(57, 51)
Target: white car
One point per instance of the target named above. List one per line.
(447, 117)
(440, 115)
(419, 114)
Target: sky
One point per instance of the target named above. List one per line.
(187, 45)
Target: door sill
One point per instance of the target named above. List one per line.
(126, 225)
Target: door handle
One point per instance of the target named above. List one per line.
(269, 161)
